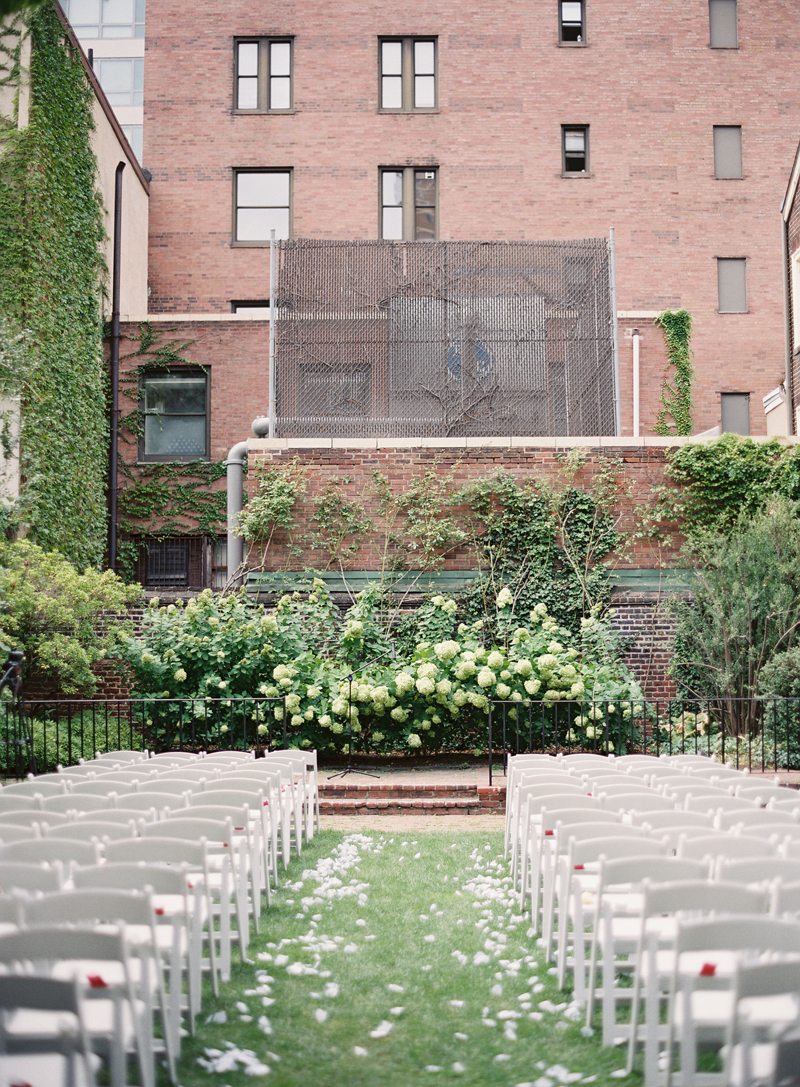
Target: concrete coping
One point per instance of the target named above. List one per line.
(269, 445)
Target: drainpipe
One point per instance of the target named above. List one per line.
(115, 278)
(636, 339)
(787, 330)
(234, 465)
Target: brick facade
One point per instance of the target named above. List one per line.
(645, 81)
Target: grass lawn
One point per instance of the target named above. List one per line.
(390, 959)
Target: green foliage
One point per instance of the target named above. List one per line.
(270, 509)
(52, 272)
(745, 609)
(62, 740)
(54, 614)
(433, 696)
(676, 396)
(10, 7)
(342, 524)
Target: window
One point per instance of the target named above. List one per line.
(575, 149)
(263, 75)
(261, 205)
(255, 309)
(735, 413)
(727, 151)
(723, 33)
(408, 73)
(106, 18)
(122, 79)
(134, 134)
(571, 28)
(183, 562)
(175, 410)
(795, 285)
(732, 284)
(409, 203)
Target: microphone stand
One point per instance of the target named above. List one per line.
(350, 769)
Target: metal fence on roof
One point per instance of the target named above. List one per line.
(439, 339)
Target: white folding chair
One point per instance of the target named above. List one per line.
(122, 757)
(35, 787)
(235, 794)
(50, 850)
(43, 1033)
(516, 766)
(85, 830)
(531, 793)
(31, 878)
(16, 802)
(15, 832)
(757, 870)
(277, 802)
(766, 1007)
(724, 845)
(79, 802)
(752, 822)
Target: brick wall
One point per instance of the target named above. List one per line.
(648, 629)
(645, 81)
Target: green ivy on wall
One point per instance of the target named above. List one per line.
(162, 499)
(675, 417)
(52, 277)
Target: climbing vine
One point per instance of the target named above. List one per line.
(52, 279)
(675, 417)
(161, 499)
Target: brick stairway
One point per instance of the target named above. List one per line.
(355, 796)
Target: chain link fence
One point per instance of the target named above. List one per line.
(441, 339)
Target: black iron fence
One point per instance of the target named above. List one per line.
(37, 736)
(758, 733)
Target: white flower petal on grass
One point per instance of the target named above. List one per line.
(360, 1051)
(361, 922)
(264, 1024)
(423, 917)
(489, 1022)
(320, 1015)
(588, 1079)
(503, 1057)
(479, 958)
(461, 1037)
(542, 1081)
(281, 960)
(350, 948)
(509, 1015)
(620, 1073)
(496, 990)
(417, 856)
(393, 988)
(429, 939)
(457, 1066)
(382, 1029)
(433, 1068)
(370, 938)
(426, 968)
(396, 1011)
(264, 956)
(456, 1003)
(587, 1032)
(267, 1001)
(562, 1026)
(295, 968)
(217, 1017)
(245, 1019)
(331, 988)
(241, 1006)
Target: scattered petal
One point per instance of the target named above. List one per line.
(382, 1029)
(360, 1051)
(320, 1015)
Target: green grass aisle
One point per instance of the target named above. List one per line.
(390, 959)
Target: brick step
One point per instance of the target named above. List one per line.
(456, 805)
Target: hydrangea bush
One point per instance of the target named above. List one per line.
(433, 696)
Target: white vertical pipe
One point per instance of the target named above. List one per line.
(272, 334)
(636, 340)
(615, 331)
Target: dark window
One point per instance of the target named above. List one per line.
(732, 284)
(175, 416)
(262, 203)
(727, 151)
(723, 32)
(407, 74)
(263, 82)
(182, 562)
(575, 149)
(735, 413)
(571, 23)
(257, 309)
(409, 203)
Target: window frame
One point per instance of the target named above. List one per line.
(408, 205)
(408, 73)
(723, 176)
(237, 172)
(248, 306)
(742, 399)
(586, 171)
(263, 75)
(567, 42)
(711, 5)
(143, 457)
(731, 260)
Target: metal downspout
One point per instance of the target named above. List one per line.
(114, 362)
(787, 328)
(234, 464)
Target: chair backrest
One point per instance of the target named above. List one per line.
(51, 849)
(195, 774)
(152, 798)
(174, 756)
(692, 789)
(157, 850)
(117, 815)
(693, 760)
(721, 773)
(16, 802)
(633, 870)
(637, 802)
(88, 830)
(560, 802)
(119, 756)
(585, 758)
(672, 817)
(29, 877)
(726, 933)
(79, 802)
(35, 787)
(175, 786)
(101, 788)
(589, 850)
(718, 802)
(757, 818)
(758, 869)
(702, 896)
(786, 898)
(51, 943)
(724, 845)
(229, 797)
(89, 906)
(238, 814)
(179, 826)
(139, 774)
(29, 817)
(229, 756)
(624, 761)
(159, 878)
(15, 832)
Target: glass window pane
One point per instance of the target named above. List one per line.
(392, 188)
(392, 58)
(248, 58)
(278, 220)
(82, 31)
(425, 224)
(423, 58)
(175, 394)
(727, 151)
(424, 91)
(134, 136)
(280, 54)
(424, 189)
(84, 11)
(571, 11)
(574, 140)
(392, 92)
(258, 190)
(251, 225)
(114, 75)
(138, 75)
(392, 224)
(280, 93)
(731, 278)
(176, 435)
(722, 19)
(118, 11)
(247, 94)
(124, 30)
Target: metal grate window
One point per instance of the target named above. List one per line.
(727, 151)
(174, 563)
(723, 30)
(732, 284)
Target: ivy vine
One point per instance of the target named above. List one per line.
(676, 396)
(52, 281)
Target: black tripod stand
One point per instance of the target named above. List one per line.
(350, 768)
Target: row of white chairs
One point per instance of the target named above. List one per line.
(586, 840)
(193, 840)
